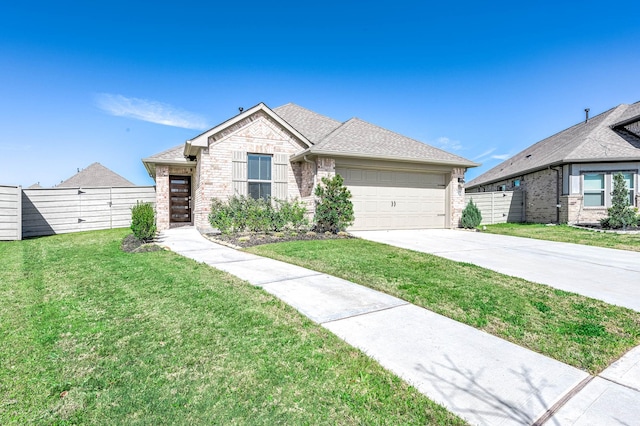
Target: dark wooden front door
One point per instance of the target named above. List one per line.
(180, 199)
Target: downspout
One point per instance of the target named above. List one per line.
(315, 168)
(557, 193)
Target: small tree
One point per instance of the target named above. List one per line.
(143, 221)
(621, 214)
(471, 216)
(334, 209)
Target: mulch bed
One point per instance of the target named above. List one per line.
(131, 244)
(598, 227)
(253, 239)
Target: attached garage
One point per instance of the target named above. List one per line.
(396, 199)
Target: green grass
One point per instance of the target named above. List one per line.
(579, 331)
(92, 335)
(568, 234)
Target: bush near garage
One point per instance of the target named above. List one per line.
(334, 209)
(471, 216)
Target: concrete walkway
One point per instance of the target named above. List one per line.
(482, 378)
(601, 273)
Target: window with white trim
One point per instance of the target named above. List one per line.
(628, 179)
(594, 190)
(259, 175)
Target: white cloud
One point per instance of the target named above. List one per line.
(148, 110)
(489, 155)
(448, 144)
(500, 157)
(484, 154)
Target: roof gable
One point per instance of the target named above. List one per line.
(95, 175)
(201, 141)
(597, 139)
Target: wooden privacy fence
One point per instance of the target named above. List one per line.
(10, 213)
(47, 211)
(500, 206)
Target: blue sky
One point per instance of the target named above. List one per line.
(114, 82)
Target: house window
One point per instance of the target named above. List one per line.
(628, 179)
(259, 175)
(516, 183)
(594, 190)
(502, 187)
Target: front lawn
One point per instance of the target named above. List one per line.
(567, 234)
(92, 335)
(574, 329)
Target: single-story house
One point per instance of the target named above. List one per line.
(567, 178)
(95, 175)
(396, 182)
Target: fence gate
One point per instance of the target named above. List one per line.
(48, 211)
(500, 206)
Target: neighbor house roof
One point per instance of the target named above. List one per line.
(95, 175)
(606, 137)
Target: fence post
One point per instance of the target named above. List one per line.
(19, 219)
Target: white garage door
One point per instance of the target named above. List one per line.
(395, 199)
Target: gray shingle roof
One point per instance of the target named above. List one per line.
(595, 140)
(354, 137)
(360, 138)
(312, 125)
(95, 175)
(171, 154)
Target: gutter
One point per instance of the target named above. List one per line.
(465, 164)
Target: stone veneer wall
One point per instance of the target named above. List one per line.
(574, 212)
(257, 134)
(456, 197)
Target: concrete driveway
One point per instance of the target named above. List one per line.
(601, 273)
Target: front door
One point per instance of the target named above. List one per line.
(180, 199)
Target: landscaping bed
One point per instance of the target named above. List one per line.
(250, 239)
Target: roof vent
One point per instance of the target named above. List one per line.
(586, 115)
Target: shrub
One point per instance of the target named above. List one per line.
(242, 213)
(259, 215)
(220, 216)
(143, 221)
(293, 214)
(334, 209)
(621, 214)
(471, 216)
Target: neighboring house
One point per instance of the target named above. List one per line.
(396, 182)
(567, 178)
(95, 175)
